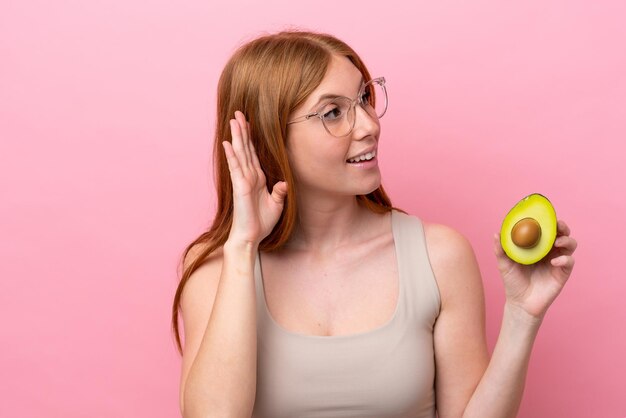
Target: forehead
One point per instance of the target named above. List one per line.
(342, 78)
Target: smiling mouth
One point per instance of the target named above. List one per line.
(365, 157)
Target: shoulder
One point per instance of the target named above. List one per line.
(445, 243)
(197, 250)
(200, 289)
(452, 260)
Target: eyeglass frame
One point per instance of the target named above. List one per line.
(353, 102)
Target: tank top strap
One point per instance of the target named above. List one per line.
(264, 321)
(422, 298)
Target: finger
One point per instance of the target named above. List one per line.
(236, 140)
(505, 264)
(566, 262)
(562, 228)
(239, 146)
(233, 163)
(245, 135)
(279, 192)
(567, 244)
(255, 157)
(497, 246)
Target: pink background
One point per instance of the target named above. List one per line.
(106, 118)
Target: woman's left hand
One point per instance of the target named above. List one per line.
(533, 288)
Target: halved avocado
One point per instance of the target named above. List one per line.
(529, 229)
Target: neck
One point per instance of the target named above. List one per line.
(327, 224)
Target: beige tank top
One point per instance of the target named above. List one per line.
(386, 372)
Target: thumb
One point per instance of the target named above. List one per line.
(279, 192)
(497, 248)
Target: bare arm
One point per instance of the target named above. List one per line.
(219, 307)
(219, 360)
(468, 383)
(499, 393)
(530, 290)
(461, 353)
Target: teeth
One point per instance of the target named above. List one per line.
(363, 157)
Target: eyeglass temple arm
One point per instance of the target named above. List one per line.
(302, 118)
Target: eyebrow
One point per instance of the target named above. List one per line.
(331, 96)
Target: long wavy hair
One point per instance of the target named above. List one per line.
(266, 78)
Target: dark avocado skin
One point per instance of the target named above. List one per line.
(538, 207)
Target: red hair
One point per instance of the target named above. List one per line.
(266, 79)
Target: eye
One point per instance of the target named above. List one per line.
(332, 112)
(366, 97)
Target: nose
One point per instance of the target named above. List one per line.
(365, 124)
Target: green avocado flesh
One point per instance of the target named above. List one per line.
(534, 244)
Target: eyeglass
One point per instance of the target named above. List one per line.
(339, 115)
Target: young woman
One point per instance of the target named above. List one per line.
(310, 295)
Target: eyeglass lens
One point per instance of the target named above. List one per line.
(339, 117)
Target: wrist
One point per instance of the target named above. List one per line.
(239, 258)
(519, 316)
(240, 247)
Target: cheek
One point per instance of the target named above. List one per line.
(316, 167)
(315, 154)
(318, 163)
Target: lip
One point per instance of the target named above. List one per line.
(365, 151)
(365, 163)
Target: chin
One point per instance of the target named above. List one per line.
(371, 188)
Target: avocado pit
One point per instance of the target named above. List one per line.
(526, 233)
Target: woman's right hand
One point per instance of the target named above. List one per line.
(256, 211)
